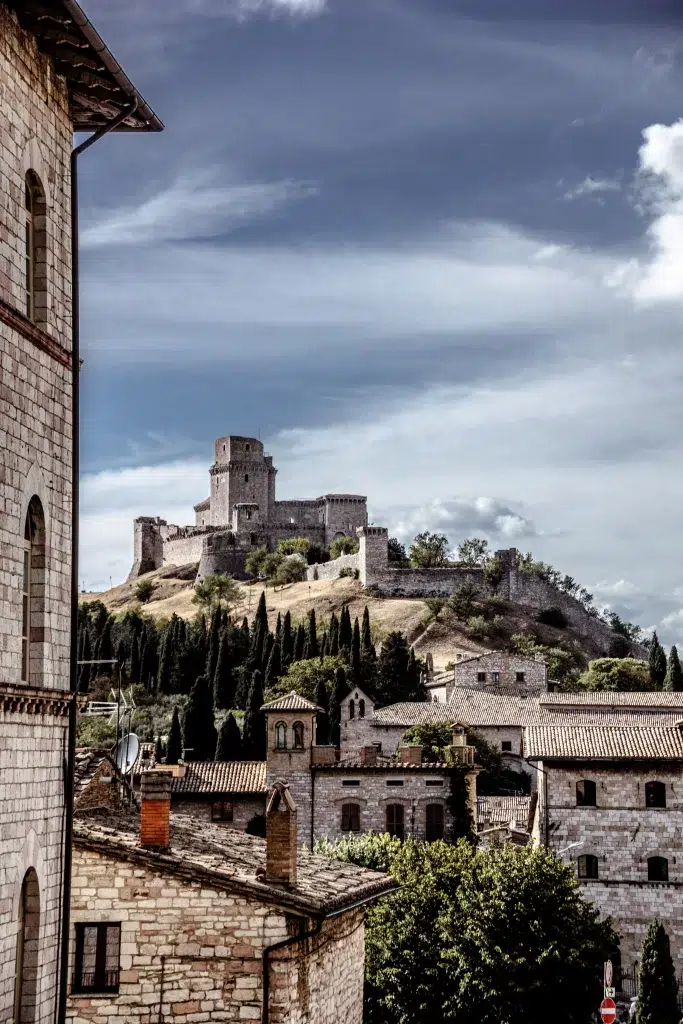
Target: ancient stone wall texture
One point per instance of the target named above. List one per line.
(344, 514)
(330, 570)
(243, 809)
(500, 670)
(213, 943)
(35, 469)
(622, 833)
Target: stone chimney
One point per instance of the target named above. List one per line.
(155, 811)
(410, 754)
(368, 755)
(281, 849)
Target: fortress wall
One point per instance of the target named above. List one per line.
(344, 515)
(330, 570)
(428, 582)
(530, 590)
(182, 550)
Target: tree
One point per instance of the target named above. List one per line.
(158, 750)
(223, 679)
(174, 747)
(615, 674)
(355, 664)
(322, 723)
(429, 551)
(164, 670)
(657, 663)
(261, 613)
(366, 645)
(461, 603)
(291, 570)
(214, 643)
(254, 561)
(295, 546)
(274, 667)
(345, 631)
(338, 694)
(216, 590)
(287, 640)
(229, 745)
(313, 649)
(85, 670)
(134, 667)
(304, 677)
(435, 605)
(674, 673)
(271, 565)
(474, 551)
(254, 732)
(394, 681)
(299, 643)
(657, 990)
(397, 554)
(144, 590)
(343, 546)
(199, 732)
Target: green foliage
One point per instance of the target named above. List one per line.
(174, 746)
(481, 628)
(674, 673)
(295, 546)
(344, 546)
(473, 552)
(304, 677)
(223, 679)
(254, 561)
(271, 565)
(213, 591)
(347, 572)
(553, 617)
(254, 731)
(657, 664)
(429, 551)
(461, 603)
(375, 850)
(398, 677)
(616, 674)
(229, 746)
(398, 558)
(626, 629)
(339, 692)
(494, 571)
(434, 738)
(317, 554)
(199, 732)
(92, 731)
(322, 721)
(564, 663)
(291, 570)
(435, 605)
(657, 989)
(144, 590)
(458, 804)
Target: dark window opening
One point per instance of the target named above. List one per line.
(246, 478)
(280, 736)
(352, 709)
(588, 866)
(394, 782)
(496, 677)
(481, 677)
(298, 730)
(657, 869)
(97, 957)
(585, 793)
(435, 782)
(655, 794)
(434, 822)
(253, 539)
(35, 249)
(351, 782)
(248, 447)
(27, 962)
(361, 709)
(520, 676)
(506, 745)
(222, 811)
(395, 820)
(350, 818)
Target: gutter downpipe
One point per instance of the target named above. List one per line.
(545, 800)
(75, 470)
(302, 937)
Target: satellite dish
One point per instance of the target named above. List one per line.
(126, 753)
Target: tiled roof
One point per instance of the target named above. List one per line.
(291, 701)
(602, 742)
(208, 777)
(86, 763)
(383, 765)
(413, 713)
(501, 810)
(636, 699)
(229, 860)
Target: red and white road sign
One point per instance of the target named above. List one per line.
(608, 974)
(608, 1011)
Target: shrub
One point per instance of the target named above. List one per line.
(494, 572)
(482, 629)
(216, 590)
(348, 573)
(144, 590)
(343, 546)
(553, 617)
(461, 603)
(317, 553)
(291, 570)
(254, 561)
(616, 674)
(436, 605)
(295, 546)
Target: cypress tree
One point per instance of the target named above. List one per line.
(324, 646)
(299, 644)
(657, 990)
(84, 670)
(367, 646)
(322, 723)
(229, 746)
(121, 659)
(393, 683)
(674, 674)
(158, 751)
(355, 665)
(174, 746)
(334, 637)
(261, 612)
(214, 643)
(146, 664)
(267, 650)
(278, 630)
(105, 650)
(287, 640)
(274, 667)
(223, 680)
(345, 631)
(255, 660)
(199, 730)
(657, 663)
(164, 671)
(254, 733)
(134, 668)
(339, 691)
(313, 649)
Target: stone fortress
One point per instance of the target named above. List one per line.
(241, 514)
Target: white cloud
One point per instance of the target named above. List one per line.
(593, 186)
(249, 8)
(458, 518)
(191, 208)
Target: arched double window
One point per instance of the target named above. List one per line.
(350, 818)
(585, 793)
(35, 246)
(27, 958)
(657, 869)
(655, 794)
(298, 731)
(280, 736)
(588, 866)
(33, 594)
(352, 709)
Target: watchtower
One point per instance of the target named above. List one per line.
(241, 475)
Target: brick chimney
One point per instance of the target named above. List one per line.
(155, 811)
(410, 754)
(281, 849)
(368, 755)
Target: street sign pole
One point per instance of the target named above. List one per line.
(608, 1011)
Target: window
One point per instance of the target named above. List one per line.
(351, 782)
(655, 794)
(350, 818)
(495, 676)
(434, 822)
(506, 745)
(246, 478)
(33, 593)
(657, 869)
(394, 782)
(253, 539)
(97, 957)
(26, 609)
(588, 866)
(394, 817)
(435, 782)
(248, 447)
(26, 961)
(298, 730)
(481, 677)
(585, 793)
(247, 514)
(280, 736)
(361, 708)
(222, 811)
(352, 709)
(520, 676)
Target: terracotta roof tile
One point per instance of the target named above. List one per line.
(636, 699)
(603, 742)
(291, 701)
(235, 777)
(501, 810)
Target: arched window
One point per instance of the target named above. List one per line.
(27, 958)
(280, 736)
(655, 794)
(361, 708)
(298, 730)
(588, 866)
(585, 793)
(434, 822)
(350, 818)
(35, 248)
(33, 594)
(395, 820)
(657, 869)
(352, 709)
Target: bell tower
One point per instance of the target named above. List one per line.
(290, 731)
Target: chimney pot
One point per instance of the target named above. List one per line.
(281, 837)
(155, 810)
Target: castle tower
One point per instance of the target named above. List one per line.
(290, 730)
(241, 475)
(373, 553)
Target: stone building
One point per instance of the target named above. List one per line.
(494, 671)
(56, 77)
(610, 802)
(227, 792)
(179, 919)
(241, 514)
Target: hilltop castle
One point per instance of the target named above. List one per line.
(241, 514)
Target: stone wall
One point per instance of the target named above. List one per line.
(244, 809)
(500, 670)
(330, 570)
(213, 943)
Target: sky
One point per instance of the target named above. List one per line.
(430, 251)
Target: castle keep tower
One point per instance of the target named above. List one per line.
(241, 475)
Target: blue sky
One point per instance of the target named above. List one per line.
(428, 251)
